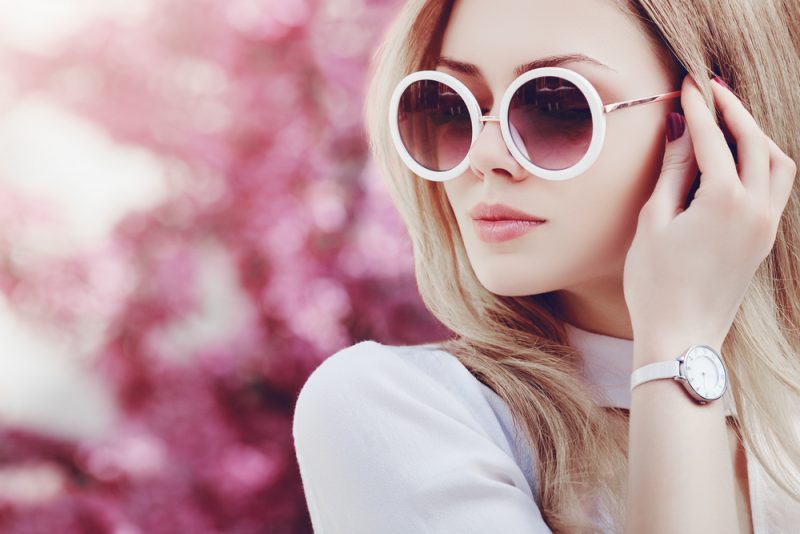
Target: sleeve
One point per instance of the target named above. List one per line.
(383, 447)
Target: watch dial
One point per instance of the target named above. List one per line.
(705, 372)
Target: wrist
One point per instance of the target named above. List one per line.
(698, 367)
(659, 348)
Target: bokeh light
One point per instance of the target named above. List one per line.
(189, 224)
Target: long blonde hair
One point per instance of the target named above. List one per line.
(517, 345)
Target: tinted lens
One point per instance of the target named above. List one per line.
(551, 122)
(434, 124)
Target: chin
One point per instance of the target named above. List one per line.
(509, 286)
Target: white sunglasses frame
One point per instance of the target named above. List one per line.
(596, 106)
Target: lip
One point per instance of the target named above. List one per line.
(500, 212)
(494, 223)
(503, 230)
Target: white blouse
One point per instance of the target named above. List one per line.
(404, 439)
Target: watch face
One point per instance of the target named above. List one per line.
(705, 372)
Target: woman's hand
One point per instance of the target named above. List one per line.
(687, 271)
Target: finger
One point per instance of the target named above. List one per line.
(751, 142)
(678, 171)
(713, 156)
(783, 172)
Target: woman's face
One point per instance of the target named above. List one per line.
(591, 219)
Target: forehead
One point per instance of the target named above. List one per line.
(498, 36)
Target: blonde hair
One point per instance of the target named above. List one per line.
(517, 345)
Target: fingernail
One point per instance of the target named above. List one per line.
(675, 126)
(721, 82)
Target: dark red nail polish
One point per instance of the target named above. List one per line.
(676, 125)
(721, 82)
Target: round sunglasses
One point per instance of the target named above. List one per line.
(552, 119)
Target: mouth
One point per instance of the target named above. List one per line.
(501, 212)
(499, 230)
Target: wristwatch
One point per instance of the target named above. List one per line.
(699, 369)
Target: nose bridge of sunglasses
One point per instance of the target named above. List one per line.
(517, 139)
(490, 118)
(483, 119)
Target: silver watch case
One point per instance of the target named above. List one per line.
(702, 373)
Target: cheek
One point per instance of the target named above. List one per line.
(457, 195)
(633, 152)
(607, 200)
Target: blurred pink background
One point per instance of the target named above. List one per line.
(189, 224)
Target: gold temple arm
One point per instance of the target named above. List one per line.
(608, 108)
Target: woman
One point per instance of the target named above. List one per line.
(639, 224)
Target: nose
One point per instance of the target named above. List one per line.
(489, 153)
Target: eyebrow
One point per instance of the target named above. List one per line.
(470, 69)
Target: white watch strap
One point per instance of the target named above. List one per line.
(653, 371)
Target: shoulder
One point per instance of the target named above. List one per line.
(362, 359)
(412, 436)
(375, 380)
(367, 366)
